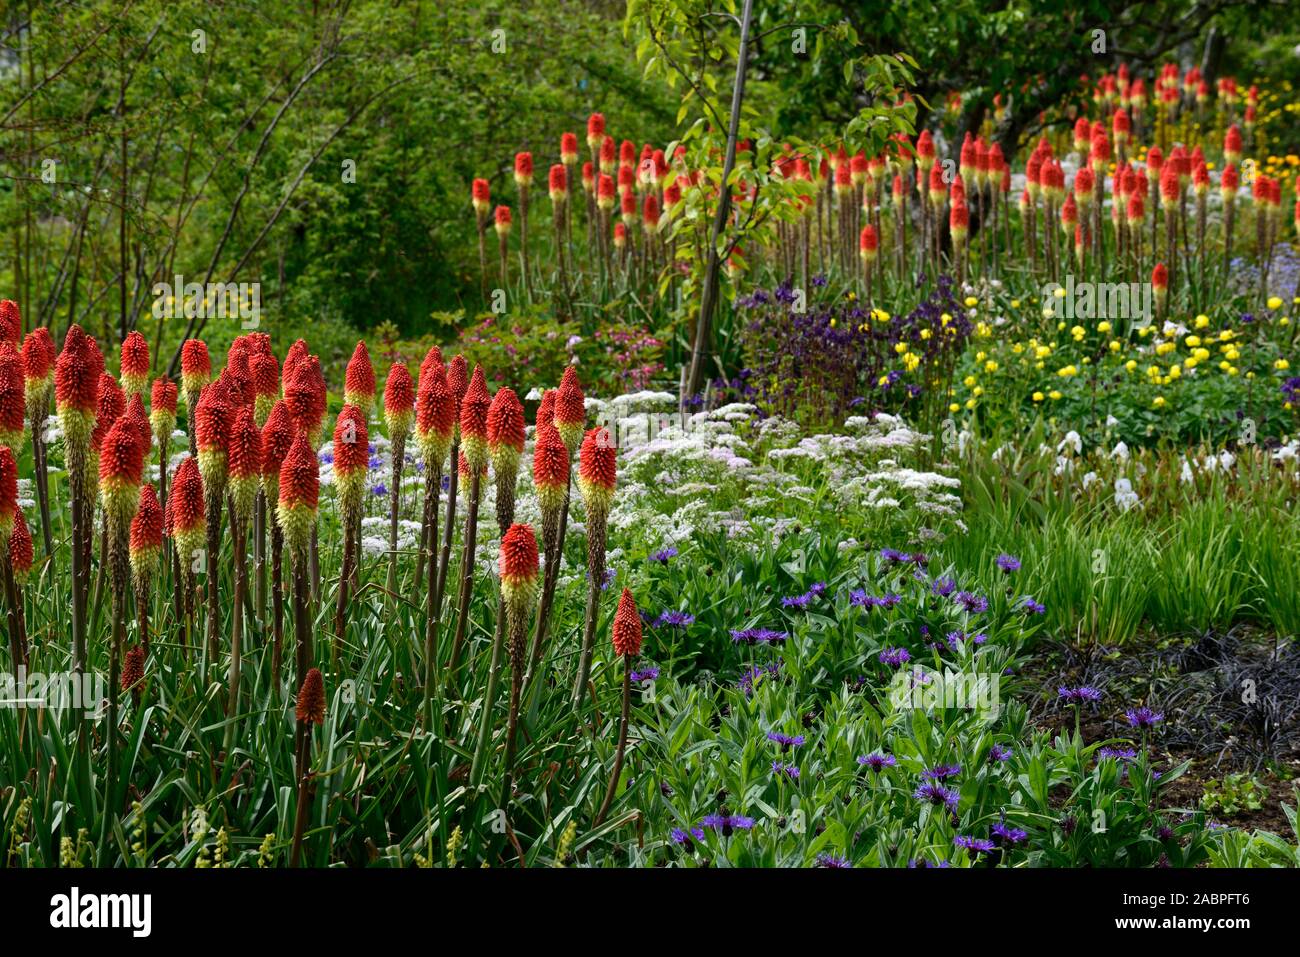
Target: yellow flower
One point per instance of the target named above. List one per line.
(832, 323)
(1078, 332)
(1158, 401)
(971, 301)
(1038, 397)
(954, 407)
(1131, 365)
(1115, 345)
(1066, 371)
(1103, 327)
(1054, 394)
(990, 366)
(1175, 372)
(978, 390)
(1202, 321)
(970, 403)
(901, 348)
(1015, 303)
(1281, 365)
(925, 333)
(968, 381)
(1274, 302)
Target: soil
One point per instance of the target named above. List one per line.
(1231, 703)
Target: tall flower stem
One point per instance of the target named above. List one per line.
(466, 574)
(394, 510)
(432, 606)
(622, 742)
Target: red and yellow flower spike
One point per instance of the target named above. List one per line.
(13, 397)
(264, 370)
(310, 708)
(359, 382)
(277, 437)
(570, 410)
(245, 463)
(196, 369)
(351, 459)
(518, 564)
(146, 537)
(505, 436)
(39, 356)
(435, 426)
(597, 470)
(626, 631)
(135, 363)
(473, 421)
(76, 387)
(299, 496)
(8, 495)
(550, 477)
(188, 512)
(399, 401)
(22, 551)
(213, 417)
(121, 467)
(162, 408)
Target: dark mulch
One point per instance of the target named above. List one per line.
(1231, 702)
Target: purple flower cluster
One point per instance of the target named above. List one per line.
(803, 601)
(758, 636)
(756, 674)
(1079, 694)
(674, 619)
(877, 761)
(895, 657)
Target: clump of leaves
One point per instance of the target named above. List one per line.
(1235, 794)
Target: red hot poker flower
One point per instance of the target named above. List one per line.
(481, 196)
(505, 430)
(570, 410)
(13, 396)
(8, 494)
(277, 436)
(311, 699)
(109, 406)
(517, 564)
(196, 366)
(21, 550)
(39, 355)
(11, 322)
(135, 363)
(299, 495)
(245, 462)
(435, 426)
(597, 470)
(146, 536)
(523, 169)
(626, 632)
(550, 469)
(121, 466)
(359, 383)
(399, 400)
(76, 376)
(474, 419)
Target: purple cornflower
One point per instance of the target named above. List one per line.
(941, 772)
(727, 823)
(999, 752)
(895, 657)
(1118, 754)
(1143, 717)
(787, 741)
(758, 636)
(943, 587)
(379, 489)
(1008, 563)
(876, 761)
(830, 860)
(1004, 834)
(662, 556)
(971, 602)
(1033, 607)
(936, 794)
(923, 864)
(817, 589)
(646, 674)
(791, 771)
(686, 838)
(797, 601)
(755, 674)
(1081, 693)
(674, 619)
(976, 845)
(893, 556)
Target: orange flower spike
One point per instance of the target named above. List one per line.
(359, 382)
(135, 363)
(473, 421)
(299, 496)
(626, 631)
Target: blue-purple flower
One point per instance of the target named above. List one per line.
(1008, 563)
(1081, 693)
(1143, 717)
(877, 761)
